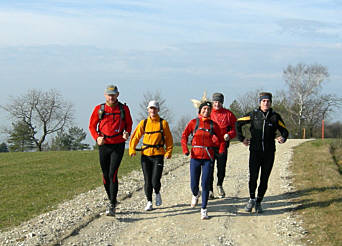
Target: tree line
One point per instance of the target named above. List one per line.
(302, 104)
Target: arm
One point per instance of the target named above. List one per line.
(168, 140)
(231, 131)
(94, 120)
(128, 120)
(241, 122)
(283, 131)
(135, 138)
(184, 141)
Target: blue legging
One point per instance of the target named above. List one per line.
(196, 167)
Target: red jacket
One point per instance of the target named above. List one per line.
(110, 125)
(201, 138)
(226, 121)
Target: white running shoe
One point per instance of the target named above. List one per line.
(158, 199)
(148, 206)
(204, 214)
(110, 211)
(194, 199)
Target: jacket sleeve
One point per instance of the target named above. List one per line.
(241, 122)
(185, 135)
(94, 120)
(282, 128)
(232, 130)
(135, 138)
(220, 138)
(128, 120)
(168, 139)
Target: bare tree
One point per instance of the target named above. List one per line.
(179, 128)
(164, 112)
(43, 112)
(248, 101)
(304, 83)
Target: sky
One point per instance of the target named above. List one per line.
(178, 48)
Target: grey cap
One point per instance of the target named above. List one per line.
(218, 97)
(111, 90)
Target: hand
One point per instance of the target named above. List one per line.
(167, 156)
(125, 135)
(246, 141)
(280, 139)
(133, 154)
(100, 141)
(226, 137)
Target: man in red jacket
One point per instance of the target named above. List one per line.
(226, 121)
(110, 125)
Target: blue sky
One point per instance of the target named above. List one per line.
(179, 48)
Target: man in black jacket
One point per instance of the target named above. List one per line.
(264, 124)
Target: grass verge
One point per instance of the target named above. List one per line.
(319, 184)
(34, 183)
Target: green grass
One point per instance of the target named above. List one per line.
(34, 183)
(319, 184)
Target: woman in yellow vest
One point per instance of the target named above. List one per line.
(157, 134)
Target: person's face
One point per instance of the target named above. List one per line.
(153, 112)
(111, 98)
(265, 105)
(217, 105)
(205, 111)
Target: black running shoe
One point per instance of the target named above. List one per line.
(250, 205)
(258, 208)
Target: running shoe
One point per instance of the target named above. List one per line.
(204, 214)
(250, 205)
(258, 208)
(110, 211)
(148, 206)
(158, 199)
(211, 195)
(194, 199)
(220, 191)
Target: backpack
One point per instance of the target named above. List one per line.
(161, 131)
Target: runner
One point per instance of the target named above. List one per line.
(156, 135)
(226, 121)
(202, 154)
(110, 125)
(264, 124)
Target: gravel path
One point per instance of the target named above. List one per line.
(81, 221)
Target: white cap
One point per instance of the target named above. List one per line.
(153, 104)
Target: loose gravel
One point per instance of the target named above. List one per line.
(81, 221)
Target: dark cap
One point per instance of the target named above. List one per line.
(205, 103)
(265, 95)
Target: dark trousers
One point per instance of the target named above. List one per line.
(259, 160)
(221, 162)
(110, 159)
(198, 166)
(152, 167)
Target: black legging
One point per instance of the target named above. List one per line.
(152, 167)
(221, 161)
(264, 161)
(110, 159)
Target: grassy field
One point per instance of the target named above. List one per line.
(33, 183)
(317, 168)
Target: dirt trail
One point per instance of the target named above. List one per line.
(175, 223)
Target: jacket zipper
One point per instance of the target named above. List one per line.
(263, 131)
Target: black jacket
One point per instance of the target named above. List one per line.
(263, 129)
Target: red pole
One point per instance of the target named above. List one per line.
(322, 129)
